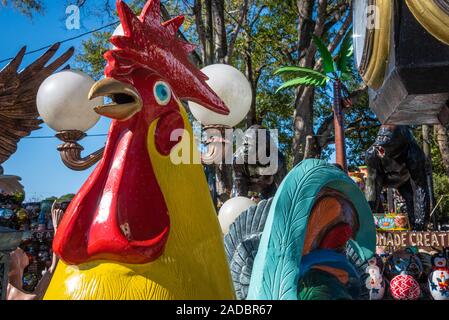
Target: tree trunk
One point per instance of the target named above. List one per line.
(210, 46)
(303, 123)
(213, 36)
(303, 115)
(220, 35)
(251, 118)
(442, 138)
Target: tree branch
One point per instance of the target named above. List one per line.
(243, 14)
(198, 14)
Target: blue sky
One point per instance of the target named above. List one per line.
(37, 160)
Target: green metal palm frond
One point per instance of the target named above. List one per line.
(345, 53)
(326, 56)
(299, 71)
(313, 80)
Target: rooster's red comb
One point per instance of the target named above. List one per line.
(148, 43)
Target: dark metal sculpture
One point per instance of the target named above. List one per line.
(18, 90)
(257, 177)
(395, 160)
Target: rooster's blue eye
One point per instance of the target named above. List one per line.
(162, 93)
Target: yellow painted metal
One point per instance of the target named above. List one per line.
(193, 265)
(431, 17)
(375, 73)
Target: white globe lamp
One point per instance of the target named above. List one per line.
(231, 209)
(235, 91)
(63, 104)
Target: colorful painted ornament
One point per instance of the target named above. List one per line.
(404, 261)
(375, 282)
(439, 278)
(405, 287)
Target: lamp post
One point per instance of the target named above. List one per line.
(236, 92)
(63, 105)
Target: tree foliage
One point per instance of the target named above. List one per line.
(26, 7)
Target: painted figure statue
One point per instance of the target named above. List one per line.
(311, 241)
(375, 282)
(142, 227)
(395, 160)
(261, 176)
(439, 277)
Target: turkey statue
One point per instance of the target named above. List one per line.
(142, 227)
(312, 241)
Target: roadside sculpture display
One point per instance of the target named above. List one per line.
(395, 160)
(307, 226)
(256, 176)
(139, 228)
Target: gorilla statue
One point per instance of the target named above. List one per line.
(395, 160)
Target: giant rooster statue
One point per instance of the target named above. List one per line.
(142, 227)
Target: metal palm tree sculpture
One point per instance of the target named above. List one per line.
(335, 72)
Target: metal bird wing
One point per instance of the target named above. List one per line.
(18, 90)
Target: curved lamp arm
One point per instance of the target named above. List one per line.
(70, 151)
(217, 144)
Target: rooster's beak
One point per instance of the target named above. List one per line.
(126, 101)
